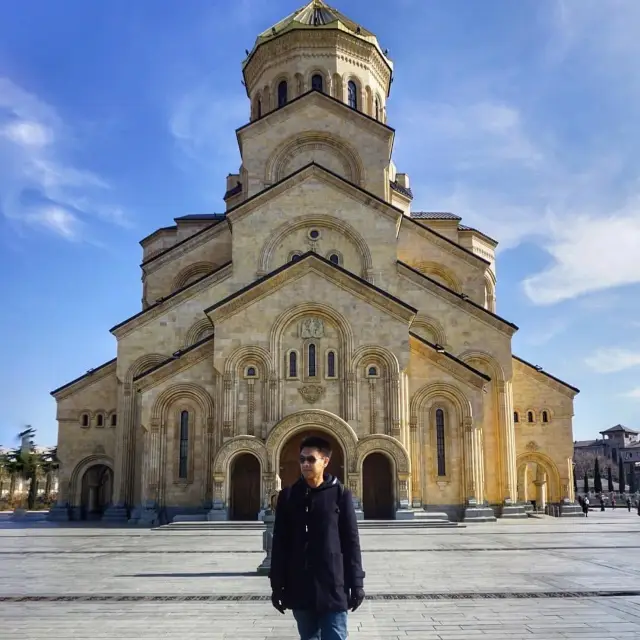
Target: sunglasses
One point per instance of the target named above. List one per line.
(309, 459)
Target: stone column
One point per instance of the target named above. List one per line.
(416, 474)
(350, 392)
(472, 452)
(373, 409)
(505, 406)
(251, 402)
(394, 393)
(228, 408)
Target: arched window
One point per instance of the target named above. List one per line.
(317, 83)
(259, 108)
(84, 421)
(100, 420)
(331, 365)
(114, 419)
(293, 365)
(282, 93)
(184, 444)
(312, 360)
(372, 372)
(353, 94)
(251, 372)
(530, 416)
(377, 109)
(295, 257)
(545, 416)
(440, 448)
(516, 417)
(335, 258)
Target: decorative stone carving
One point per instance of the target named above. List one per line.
(369, 444)
(312, 328)
(311, 392)
(250, 444)
(532, 446)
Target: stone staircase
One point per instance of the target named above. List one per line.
(424, 520)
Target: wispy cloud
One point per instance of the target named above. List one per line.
(613, 359)
(39, 187)
(634, 394)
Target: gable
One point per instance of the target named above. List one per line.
(285, 140)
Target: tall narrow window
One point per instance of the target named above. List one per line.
(377, 109)
(331, 364)
(114, 419)
(516, 417)
(184, 444)
(312, 360)
(259, 109)
(442, 469)
(353, 94)
(100, 420)
(85, 419)
(545, 416)
(530, 416)
(293, 365)
(282, 93)
(316, 82)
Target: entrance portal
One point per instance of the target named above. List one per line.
(97, 485)
(290, 457)
(245, 487)
(377, 488)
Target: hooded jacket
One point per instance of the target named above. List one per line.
(315, 556)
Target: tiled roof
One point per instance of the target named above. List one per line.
(620, 428)
(463, 227)
(586, 443)
(400, 189)
(202, 216)
(434, 215)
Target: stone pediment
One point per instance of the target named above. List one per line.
(311, 263)
(304, 174)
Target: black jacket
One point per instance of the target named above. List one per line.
(316, 554)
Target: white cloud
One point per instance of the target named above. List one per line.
(38, 186)
(613, 359)
(634, 394)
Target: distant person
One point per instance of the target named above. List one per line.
(585, 507)
(601, 502)
(316, 564)
(629, 504)
(613, 501)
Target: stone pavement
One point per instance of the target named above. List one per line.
(542, 579)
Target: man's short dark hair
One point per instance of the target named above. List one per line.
(316, 442)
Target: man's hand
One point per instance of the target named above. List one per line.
(356, 597)
(277, 600)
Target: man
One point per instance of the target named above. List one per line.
(316, 563)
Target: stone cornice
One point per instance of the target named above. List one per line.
(178, 297)
(447, 362)
(313, 170)
(184, 246)
(174, 365)
(92, 376)
(470, 307)
(320, 99)
(306, 42)
(444, 243)
(545, 378)
(311, 263)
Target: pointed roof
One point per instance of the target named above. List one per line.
(620, 428)
(317, 14)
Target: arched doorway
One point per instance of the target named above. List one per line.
(97, 487)
(538, 480)
(289, 467)
(245, 487)
(377, 487)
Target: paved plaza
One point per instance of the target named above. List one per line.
(542, 579)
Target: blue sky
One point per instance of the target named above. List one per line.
(522, 117)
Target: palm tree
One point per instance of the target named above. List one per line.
(48, 464)
(23, 462)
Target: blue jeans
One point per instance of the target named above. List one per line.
(321, 626)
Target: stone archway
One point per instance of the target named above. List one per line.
(378, 502)
(318, 421)
(96, 492)
(244, 480)
(538, 480)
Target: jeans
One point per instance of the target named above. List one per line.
(321, 626)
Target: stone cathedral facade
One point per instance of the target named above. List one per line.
(318, 302)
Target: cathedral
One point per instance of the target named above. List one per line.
(318, 302)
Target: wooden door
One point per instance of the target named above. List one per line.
(290, 458)
(245, 487)
(377, 488)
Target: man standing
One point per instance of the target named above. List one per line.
(316, 563)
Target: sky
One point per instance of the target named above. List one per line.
(521, 117)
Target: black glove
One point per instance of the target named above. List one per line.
(356, 597)
(277, 600)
